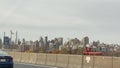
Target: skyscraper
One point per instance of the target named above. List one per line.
(46, 43)
(0, 43)
(85, 40)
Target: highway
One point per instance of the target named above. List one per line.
(24, 65)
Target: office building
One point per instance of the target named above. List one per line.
(85, 40)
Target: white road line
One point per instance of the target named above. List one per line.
(35, 65)
(53, 67)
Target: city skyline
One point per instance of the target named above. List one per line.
(14, 37)
(61, 18)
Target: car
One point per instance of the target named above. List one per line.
(6, 61)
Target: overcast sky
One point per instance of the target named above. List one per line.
(98, 19)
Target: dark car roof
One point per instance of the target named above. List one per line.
(2, 53)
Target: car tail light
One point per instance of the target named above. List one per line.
(6, 59)
(9, 60)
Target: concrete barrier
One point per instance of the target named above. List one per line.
(33, 58)
(75, 61)
(11, 54)
(67, 61)
(116, 62)
(62, 60)
(17, 56)
(103, 62)
(51, 59)
(88, 61)
(107, 62)
(25, 57)
(41, 58)
(98, 62)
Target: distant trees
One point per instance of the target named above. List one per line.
(73, 46)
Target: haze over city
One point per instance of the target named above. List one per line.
(61, 18)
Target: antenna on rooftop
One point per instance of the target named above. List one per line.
(16, 39)
(4, 34)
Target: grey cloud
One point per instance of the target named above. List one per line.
(101, 12)
(97, 18)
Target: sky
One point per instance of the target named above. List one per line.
(97, 19)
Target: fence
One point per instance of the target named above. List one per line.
(67, 61)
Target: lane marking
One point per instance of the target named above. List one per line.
(35, 65)
(53, 67)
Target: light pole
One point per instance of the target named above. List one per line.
(16, 39)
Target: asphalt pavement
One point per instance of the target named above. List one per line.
(24, 65)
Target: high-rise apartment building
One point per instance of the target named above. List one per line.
(85, 40)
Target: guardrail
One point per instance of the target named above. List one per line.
(67, 61)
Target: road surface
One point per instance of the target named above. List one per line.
(24, 65)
